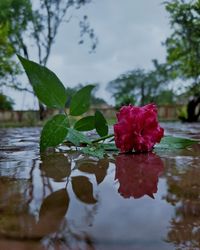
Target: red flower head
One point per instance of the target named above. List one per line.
(138, 174)
(137, 128)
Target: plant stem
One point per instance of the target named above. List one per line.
(103, 138)
(67, 116)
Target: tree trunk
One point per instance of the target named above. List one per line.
(193, 109)
(42, 111)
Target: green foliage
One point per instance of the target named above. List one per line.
(124, 100)
(54, 132)
(8, 67)
(6, 103)
(39, 22)
(80, 102)
(170, 142)
(49, 89)
(139, 86)
(85, 124)
(77, 138)
(14, 18)
(46, 85)
(101, 124)
(183, 45)
(94, 100)
(97, 151)
(182, 113)
(165, 97)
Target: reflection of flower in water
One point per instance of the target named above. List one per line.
(138, 174)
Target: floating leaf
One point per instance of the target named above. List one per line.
(101, 124)
(77, 137)
(85, 124)
(171, 142)
(54, 132)
(95, 151)
(80, 102)
(83, 189)
(46, 85)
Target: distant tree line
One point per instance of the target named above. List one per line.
(182, 63)
(140, 87)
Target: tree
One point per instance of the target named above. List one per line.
(37, 23)
(6, 103)
(139, 85)
(14, 17)
(183, 47)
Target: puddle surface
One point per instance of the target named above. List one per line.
(65, 200)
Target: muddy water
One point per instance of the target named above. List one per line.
(64, 200)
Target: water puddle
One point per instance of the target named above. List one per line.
(65, 200)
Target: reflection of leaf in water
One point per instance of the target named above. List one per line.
(52, 211)
(83, 189)
(98, 168)
(138, 174)
(55, 166)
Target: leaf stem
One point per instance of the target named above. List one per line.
(103, 138)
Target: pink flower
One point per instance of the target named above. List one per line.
(138, 174)
(137, 128)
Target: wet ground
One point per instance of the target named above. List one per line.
(64, 200)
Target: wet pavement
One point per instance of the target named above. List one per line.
(65, 200)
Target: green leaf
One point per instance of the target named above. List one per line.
(85, 124)
(80, 102)
(170, 142)
(54, 132)
(95, 151)
(46, 85)
(101, 124)
(110, 147)
(77, 137)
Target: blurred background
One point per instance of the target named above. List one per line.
(135, 52)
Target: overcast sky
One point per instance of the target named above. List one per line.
(130, 33)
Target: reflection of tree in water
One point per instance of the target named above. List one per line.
(48, 222)
(184, 194)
